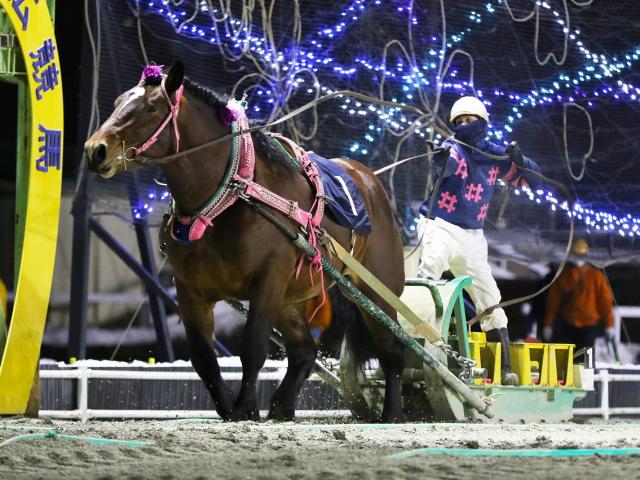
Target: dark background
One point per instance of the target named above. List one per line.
(503, 59)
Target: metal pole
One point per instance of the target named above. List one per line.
(78, 302)
(158, 313)
(150, 280)
(83, 393)
(604, 401)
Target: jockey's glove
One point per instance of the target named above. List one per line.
(441, 154)
(515, 155)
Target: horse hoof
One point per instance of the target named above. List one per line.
(396, 417)
(224, 405)
(282, 415)
(225, 415)
(240, 414)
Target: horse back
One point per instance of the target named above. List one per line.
(382, 250)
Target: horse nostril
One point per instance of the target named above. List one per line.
(98, 155)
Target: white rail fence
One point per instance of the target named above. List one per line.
(620, 312)
(83, 413)
(605, 377)
(83, 374)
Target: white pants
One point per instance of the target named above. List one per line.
(448, 247)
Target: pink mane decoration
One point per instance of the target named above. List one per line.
(152, 74)
(231, 112)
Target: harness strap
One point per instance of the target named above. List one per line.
(288, 207)
(385, 293)
(174, 109)
(311, 171)
(239, 183)
(242, 166)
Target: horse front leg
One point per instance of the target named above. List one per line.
(197, 316)
(301, 353)
(264, 307)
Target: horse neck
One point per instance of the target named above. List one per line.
(194, 178)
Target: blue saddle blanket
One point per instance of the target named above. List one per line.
(345, 204)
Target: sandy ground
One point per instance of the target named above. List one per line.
(319, 449)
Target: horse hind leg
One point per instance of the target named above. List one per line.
(197, 317)
(390, 353)
(301, 353)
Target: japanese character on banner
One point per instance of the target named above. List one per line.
(50, 143)
(22, 12)
(45, 70)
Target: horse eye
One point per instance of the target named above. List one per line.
(151, 109)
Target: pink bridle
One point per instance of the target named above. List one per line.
(174, 109)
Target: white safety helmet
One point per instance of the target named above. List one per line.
(468, 106)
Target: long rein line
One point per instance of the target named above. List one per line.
(294, 113)
(349, 93)
(563, 189)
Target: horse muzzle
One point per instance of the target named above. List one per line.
(96, 156)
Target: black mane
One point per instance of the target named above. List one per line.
(208, 96)
(263, 143)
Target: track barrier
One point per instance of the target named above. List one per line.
(39, 181)
(483, 452)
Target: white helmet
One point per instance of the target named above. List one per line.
(468, 106)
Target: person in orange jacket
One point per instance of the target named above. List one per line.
(579, 303)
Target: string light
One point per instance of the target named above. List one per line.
(147, 206)
(594, 80)
(595, 220)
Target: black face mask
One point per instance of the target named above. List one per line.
(471, 133)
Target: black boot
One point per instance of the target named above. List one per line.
(501, 335)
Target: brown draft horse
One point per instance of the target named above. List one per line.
(243, 256)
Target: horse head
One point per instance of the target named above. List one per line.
(143, 125)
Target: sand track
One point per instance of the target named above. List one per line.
(307, 449)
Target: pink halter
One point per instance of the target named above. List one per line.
(172, 115)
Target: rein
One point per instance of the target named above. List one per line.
(290, 208)
(294, 113)
(563, 189)
(565, 192)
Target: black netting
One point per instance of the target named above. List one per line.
(333, 45)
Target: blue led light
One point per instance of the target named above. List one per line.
(596, 80)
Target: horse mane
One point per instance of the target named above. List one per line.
(208, 96)
(263, 144)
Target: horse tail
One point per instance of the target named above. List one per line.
(346, 324)
(355, 333)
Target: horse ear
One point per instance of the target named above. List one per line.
(174, 77)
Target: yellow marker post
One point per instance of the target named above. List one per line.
(33, 27)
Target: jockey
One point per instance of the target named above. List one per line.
(452, 219)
